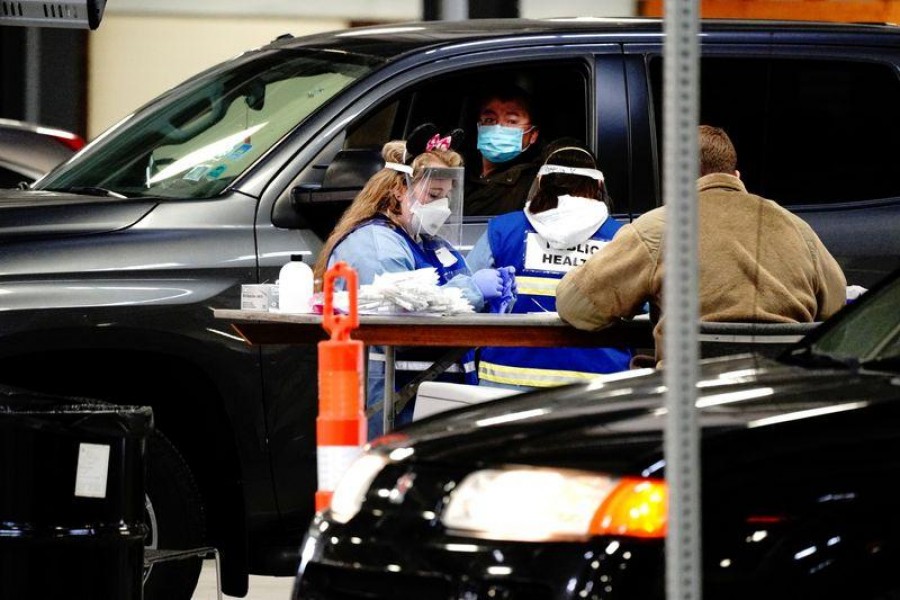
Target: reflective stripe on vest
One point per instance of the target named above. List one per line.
(537, 286)
(530, 377)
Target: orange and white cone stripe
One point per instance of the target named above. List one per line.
(341, 424)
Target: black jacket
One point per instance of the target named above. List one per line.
(505, 190)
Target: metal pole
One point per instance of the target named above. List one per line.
(680, 302)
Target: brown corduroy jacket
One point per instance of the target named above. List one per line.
(758, 263)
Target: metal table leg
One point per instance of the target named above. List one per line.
(389, 355)
(406, 393)
(394, 401)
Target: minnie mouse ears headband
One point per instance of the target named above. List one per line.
(425, 138)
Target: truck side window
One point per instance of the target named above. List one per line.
(807, 132)
(559, 88)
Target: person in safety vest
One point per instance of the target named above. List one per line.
(408, 216)
(561, 227)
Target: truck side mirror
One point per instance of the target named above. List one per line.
(319, 206)
(352, 168)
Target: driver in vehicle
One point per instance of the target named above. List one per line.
(508, 133)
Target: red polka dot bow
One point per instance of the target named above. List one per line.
(438, 143)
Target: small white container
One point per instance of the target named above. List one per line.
(295, 286)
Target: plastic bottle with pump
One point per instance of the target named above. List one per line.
(295, 286)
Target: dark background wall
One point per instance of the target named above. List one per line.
(52, 94)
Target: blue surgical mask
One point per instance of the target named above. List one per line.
(500, 144)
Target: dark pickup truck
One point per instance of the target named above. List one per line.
(112, 264)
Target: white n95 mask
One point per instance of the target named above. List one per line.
(429, 218)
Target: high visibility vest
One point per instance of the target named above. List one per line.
(539, 268)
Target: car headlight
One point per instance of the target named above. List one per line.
(536, 504)
(351, 489)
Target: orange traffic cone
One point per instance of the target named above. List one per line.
(341, 424)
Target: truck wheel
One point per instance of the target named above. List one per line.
(174, 516)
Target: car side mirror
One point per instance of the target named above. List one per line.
(319, 206)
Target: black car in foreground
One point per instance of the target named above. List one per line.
(562, 493)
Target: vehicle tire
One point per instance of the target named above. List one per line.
(174, 515)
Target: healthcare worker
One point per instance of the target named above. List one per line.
(408, 217)
(565, 222)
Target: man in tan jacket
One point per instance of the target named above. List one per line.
(758, 262)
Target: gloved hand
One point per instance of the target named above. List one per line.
(508, 274)
(504, 302)
(489, 282)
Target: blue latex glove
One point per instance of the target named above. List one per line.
(489, 282)
(509, 282)
(504, 302)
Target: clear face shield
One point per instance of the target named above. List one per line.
(436, 203)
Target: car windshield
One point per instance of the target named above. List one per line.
(867, 337)
(193, 141)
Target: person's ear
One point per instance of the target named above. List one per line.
(457, 137)
(418, 138)
(737, 173)
(397, 205)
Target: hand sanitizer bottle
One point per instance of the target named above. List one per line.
(295, 286)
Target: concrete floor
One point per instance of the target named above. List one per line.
(261, 588)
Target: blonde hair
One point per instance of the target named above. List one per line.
(381, 195)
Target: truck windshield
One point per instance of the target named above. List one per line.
(194, 140)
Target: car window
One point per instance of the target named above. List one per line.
(871, 332)
(807, 131)
(201, 136)
(560, 91)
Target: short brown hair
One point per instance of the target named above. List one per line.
(509, 92)
(717, 153)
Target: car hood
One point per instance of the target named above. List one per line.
(624, 414)
(30, 214)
